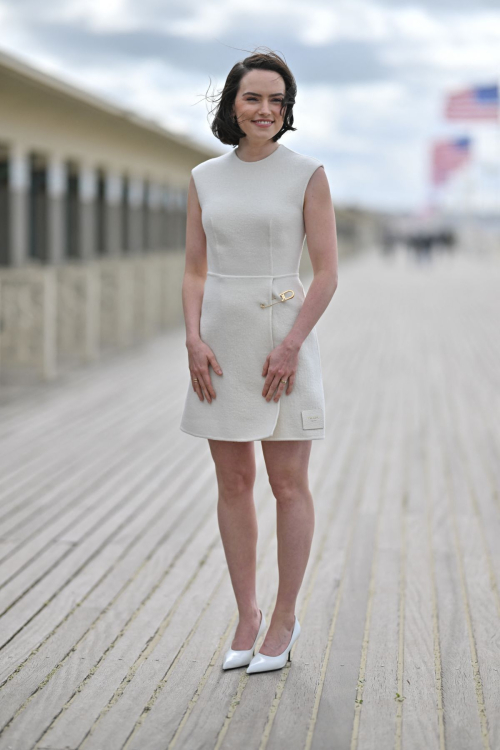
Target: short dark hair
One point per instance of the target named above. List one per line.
(224, 126)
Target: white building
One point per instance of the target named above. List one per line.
(81, 178)
(92, 224)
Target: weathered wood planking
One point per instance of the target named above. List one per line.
(116, 603)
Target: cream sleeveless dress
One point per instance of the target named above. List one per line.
(252, 214)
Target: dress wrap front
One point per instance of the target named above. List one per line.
(252, 214)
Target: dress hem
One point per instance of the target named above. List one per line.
(249, 440)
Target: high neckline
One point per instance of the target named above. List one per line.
(258, 161)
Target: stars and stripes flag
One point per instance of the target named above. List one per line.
(474, 103)
(448, 156)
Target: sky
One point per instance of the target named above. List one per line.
(372, 77)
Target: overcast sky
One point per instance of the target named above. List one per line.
(371, 75)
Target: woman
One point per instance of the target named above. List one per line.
(248, 318)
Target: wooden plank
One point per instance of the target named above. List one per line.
(119, 606)
(258, 696)
(165, 715)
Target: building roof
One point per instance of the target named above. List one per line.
(25, 72)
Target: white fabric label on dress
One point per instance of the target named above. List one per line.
(312, 419)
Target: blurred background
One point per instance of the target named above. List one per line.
(103, 114)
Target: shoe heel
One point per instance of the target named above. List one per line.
(290, 655)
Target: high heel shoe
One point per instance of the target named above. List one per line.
(263, 663)
(234, 658)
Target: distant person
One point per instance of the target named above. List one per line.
(247, 316)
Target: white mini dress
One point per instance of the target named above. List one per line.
(252, 214)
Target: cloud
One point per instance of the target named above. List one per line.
(371, 75)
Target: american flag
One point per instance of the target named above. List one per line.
(447, 156)
(475, 103)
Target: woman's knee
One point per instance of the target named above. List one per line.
(235, 481)
(288, 486)
(235, 468)
(235, 478)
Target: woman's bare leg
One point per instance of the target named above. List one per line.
(235, 470)
(287, 463)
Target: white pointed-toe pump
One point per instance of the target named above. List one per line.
(263, 663)
(234, 658)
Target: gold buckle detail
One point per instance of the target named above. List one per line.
(283, 298)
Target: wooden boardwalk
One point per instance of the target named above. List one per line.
(116, 603)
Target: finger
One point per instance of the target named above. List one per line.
(283, 385)
(197, 389)
(273, 387)
(215, 365)
(281, 388)
(208, 383)
(266, 366)
(206, 390)
(267, 383)
(289, 387)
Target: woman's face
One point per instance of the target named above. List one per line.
(260, 97)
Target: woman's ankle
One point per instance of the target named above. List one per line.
(248, 613)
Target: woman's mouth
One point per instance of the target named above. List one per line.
(262, 123)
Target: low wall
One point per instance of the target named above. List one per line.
(56, 317)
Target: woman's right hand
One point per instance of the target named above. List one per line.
(200, 357)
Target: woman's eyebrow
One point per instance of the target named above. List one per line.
(280, 93)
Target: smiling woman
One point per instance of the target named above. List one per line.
(248, 318)
(259, 95)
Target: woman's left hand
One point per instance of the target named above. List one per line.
(281, 364)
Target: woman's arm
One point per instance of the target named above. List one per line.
(319, 220)
(321, 233)
(195, 273)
